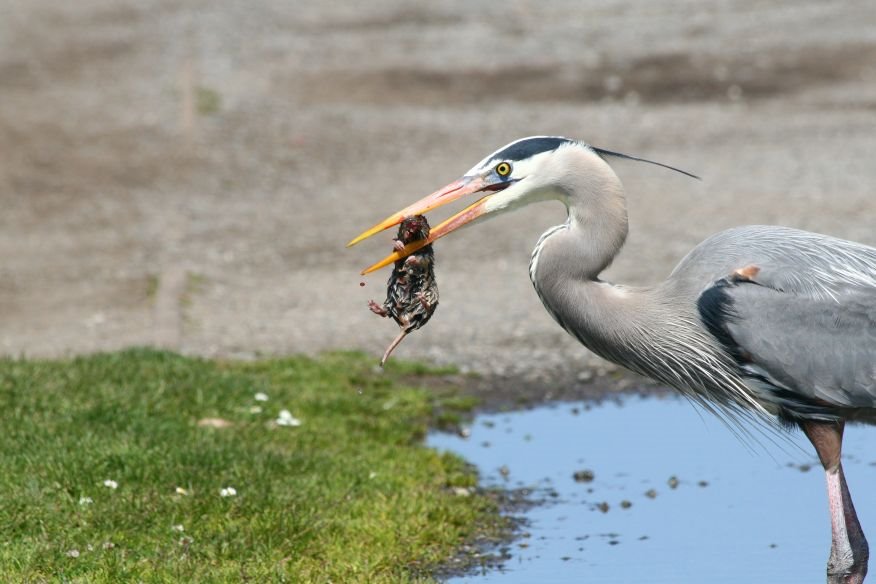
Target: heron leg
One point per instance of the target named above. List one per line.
(849, 551)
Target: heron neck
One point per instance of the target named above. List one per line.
(650, 330)
(593, 234)
(567, 262)
(596, 235)
(599, 314)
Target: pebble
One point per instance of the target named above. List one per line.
(584, 476)
(673, 482)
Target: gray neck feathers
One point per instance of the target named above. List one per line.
(596, 227)
(644, 329)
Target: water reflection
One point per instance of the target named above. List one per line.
(673, 496)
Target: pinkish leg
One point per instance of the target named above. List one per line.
(377, 309)
(849, 551)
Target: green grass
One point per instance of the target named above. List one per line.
(350, 495)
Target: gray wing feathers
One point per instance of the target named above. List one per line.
(821, 349)
(791, 260)
(802, 325)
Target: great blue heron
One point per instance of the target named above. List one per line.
(763, 319)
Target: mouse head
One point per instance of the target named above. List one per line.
(413, 228)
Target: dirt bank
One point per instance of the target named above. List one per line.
(187, 174)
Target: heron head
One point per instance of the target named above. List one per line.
(506, 179)
(525, 171)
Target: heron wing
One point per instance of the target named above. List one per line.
(805, 341)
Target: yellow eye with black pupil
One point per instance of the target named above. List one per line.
(503, 169)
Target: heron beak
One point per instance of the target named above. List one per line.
(458, 188)
(467, 185)
(467, 215)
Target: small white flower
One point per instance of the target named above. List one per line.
(186, 541)
(111, 484)
(287, 419)
(255, 410)
(372, 474)
(261, 396)
(227, 492)
(85, 501)
(108, 545)
(181, 491)
(178, 527)
(73, 554)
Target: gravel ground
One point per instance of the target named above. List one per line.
(187, 174)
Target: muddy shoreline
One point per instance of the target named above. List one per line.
(186, 175)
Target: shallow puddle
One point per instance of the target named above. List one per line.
(664, 493)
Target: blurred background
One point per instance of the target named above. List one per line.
(186, 174)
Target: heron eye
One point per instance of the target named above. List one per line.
(503, 169)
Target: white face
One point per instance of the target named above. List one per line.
(531, 178)
(529, 186)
